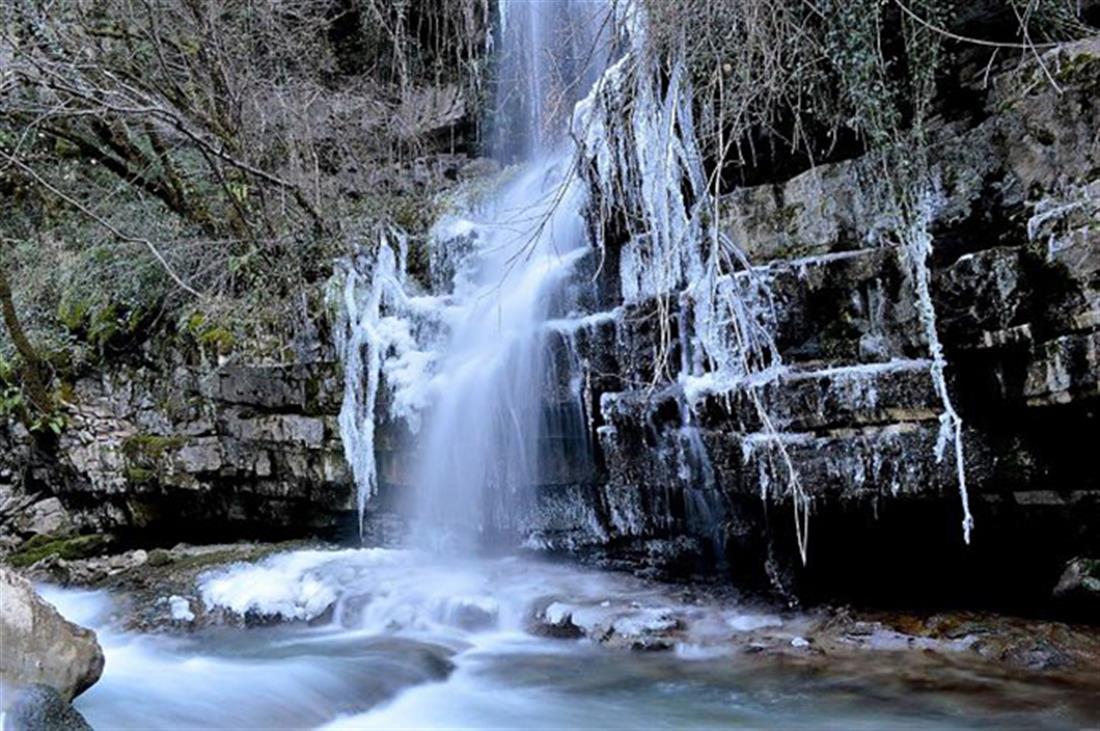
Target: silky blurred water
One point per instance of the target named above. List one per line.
(418, 644)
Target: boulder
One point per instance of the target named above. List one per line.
(41, 708)
(473, 614)
(41, 646)
(46, 517)
(1080, 583)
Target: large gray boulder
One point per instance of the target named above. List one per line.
(40, 646)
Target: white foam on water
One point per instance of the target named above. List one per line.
(288, 585)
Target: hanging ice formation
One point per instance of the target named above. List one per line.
(916, 251)
(646, 167)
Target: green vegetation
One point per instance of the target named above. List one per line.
(807, 78)
(146, 448)
(140, 475)
(69, 549)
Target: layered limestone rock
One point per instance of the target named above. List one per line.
(238, 450)
(690, 476)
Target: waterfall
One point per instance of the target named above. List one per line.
(551, 52)
(469, 359)
(481, 444)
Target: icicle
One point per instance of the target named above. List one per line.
(646, 166)
(917, 249)
(356, 333)
(378, 338)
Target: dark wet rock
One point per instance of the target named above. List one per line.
(855, 409)
(1079, 585)
(472, 613)
(41, 646)
(41, 708)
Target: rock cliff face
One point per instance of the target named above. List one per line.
(1015, 256)
(189, 454)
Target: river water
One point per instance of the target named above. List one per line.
(385, 639)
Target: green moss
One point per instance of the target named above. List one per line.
(219, 339)
(104, 325)
(140, 475)
(36, 542)
(159, 557)
(207, 333)
(233, 554)
(70, 549)
(9, 373)
(149, 447)
(72, 314)
(786, 218)
(1082, 69)
(66, 392)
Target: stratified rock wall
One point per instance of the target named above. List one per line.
(1016, 291)
(191, 454)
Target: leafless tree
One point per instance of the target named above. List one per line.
(230, 140)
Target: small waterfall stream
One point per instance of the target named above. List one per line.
(482, 441)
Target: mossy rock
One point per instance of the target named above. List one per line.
(70, 549)
(1082, 69)
(219, 339)
(73, 314)
(140, 475)
(149, 447)
(160, 557)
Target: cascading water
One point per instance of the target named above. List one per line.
(472, 360)
(481, 445)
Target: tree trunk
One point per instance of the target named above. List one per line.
(33, 368)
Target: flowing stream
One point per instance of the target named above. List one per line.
(412, 641)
